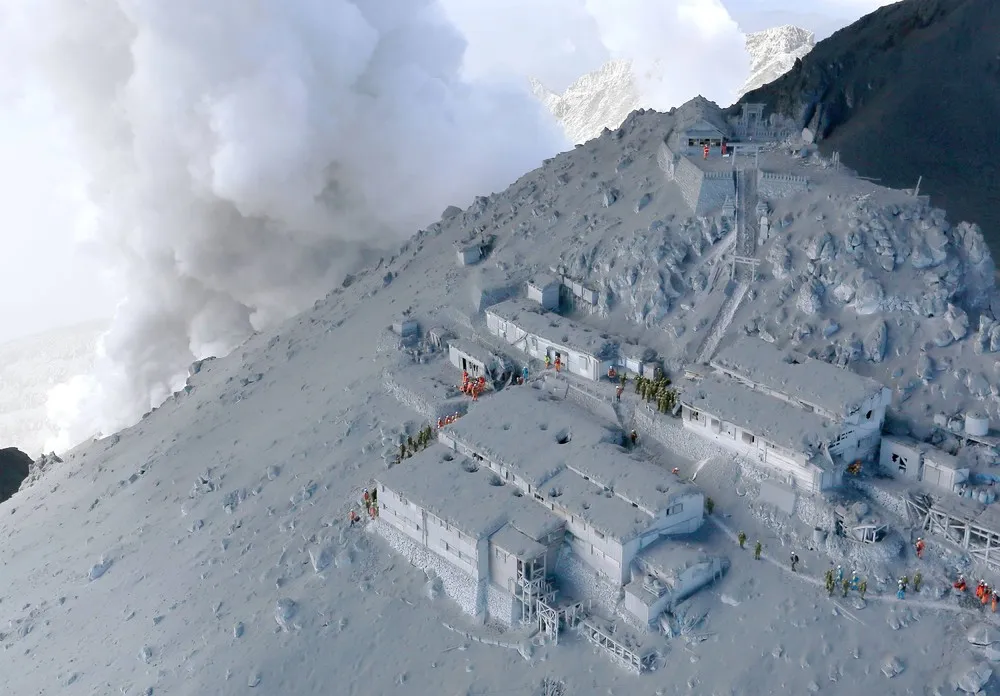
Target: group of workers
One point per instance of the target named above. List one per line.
(558, 362)
(370, 501)
(855, 582)
(705, 149)
(984, 593)
(473, 387)
(448, 420)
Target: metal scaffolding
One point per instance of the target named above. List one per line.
(982, 543)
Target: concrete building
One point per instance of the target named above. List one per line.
(581, 350)
(468, 356)
(468, 253)
(666, 574)
(463, 513)
(699, 123)
(544, 289)
(613, 506)
(856, 404)
(767, 430)
(909, 459)
(801, 417)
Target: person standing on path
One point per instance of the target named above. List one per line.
(845, 585)
(862, 588)
(917, 579)
(901, 591)
(742, 538)
(794, 560)
(756, 551)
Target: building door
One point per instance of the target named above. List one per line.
(465, 365)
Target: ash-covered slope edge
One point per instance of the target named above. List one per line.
(773, 52)
(605, 97)
(909, 91)
(206, 549)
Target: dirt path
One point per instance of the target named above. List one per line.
(887, 599)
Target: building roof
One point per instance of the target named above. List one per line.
(473, 350)
(667, 558)
(556, 328)
(765, 416)
(699, 112)
(461, 493)
(607, 513)
(517, 543)
(507, 427)
(942, 459)
(544, 280)
(812, 381)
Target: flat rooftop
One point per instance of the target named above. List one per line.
(668, 557)
(537, 436)
(765, 416)
(812, 381)
(556, 328)
(458, 491)
(473, 350)
(517, 543)
(606, 513)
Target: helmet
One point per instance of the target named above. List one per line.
(364, 490)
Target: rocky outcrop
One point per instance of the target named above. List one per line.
(773, 52)
(864, 92)
(14, 467)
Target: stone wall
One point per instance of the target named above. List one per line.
(500, 605)
(772, 185)
(602, 408)
(688, 178)
(460, 587)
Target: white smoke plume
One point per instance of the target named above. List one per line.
(245, 154)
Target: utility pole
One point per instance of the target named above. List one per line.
(916, 191)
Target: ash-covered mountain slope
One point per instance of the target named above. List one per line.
(206, 549)
(773, 52)
(595, 101)
(909, 91)
(605, 97)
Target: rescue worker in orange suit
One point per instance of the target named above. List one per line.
(558, 363)
(440, 423)
(987, 593)
(366, 499)
(960, 584)
(994, 601)
(725, 146)
(979, 589)
(705, 152)
(920, 548)
(353, 517)
(611, 373)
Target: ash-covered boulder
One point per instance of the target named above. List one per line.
(14, 468)
(958, 322)
(971, 678)
(925, 367)
(810, 299)
(868, 297)
(821, 248)
(877, 342)
(780, 259)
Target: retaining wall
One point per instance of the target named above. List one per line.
(459, 586)
(689, 178)
(601, 408)
(772, 185)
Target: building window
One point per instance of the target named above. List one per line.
(675, 509)
(695, 415)
(748, 438)
(600, 535)
(868, 416)
(901, 462)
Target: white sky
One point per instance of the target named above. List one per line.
(48, 279)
